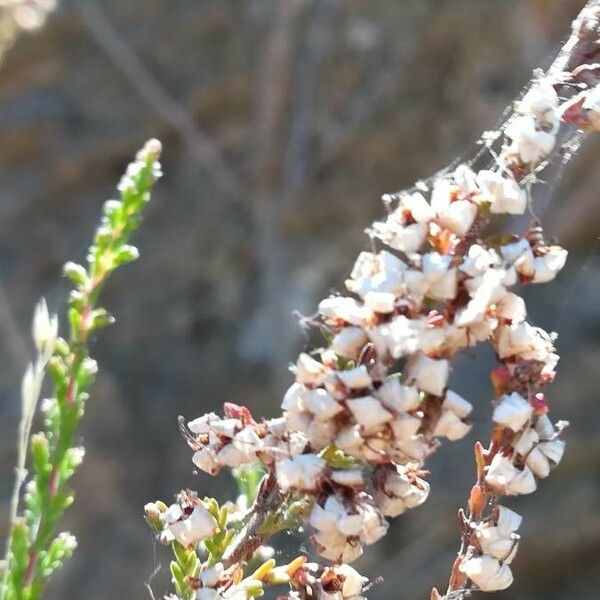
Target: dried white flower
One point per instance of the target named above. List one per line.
(339, 308)
(512, 411)
(369, 413)
(505, 477)
(356, 378)
(430, 374)
(455, 215)
(310, 371)
(349, 342)
(397, 397)
(529, 142)
(322, 404)
(380, 302)
(547, 266)
(193, 528)
(487, 572)
(451, 426)
(457, 404)
(503, 192)
(301, 472)
(400, 490)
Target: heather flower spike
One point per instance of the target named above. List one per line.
(35, 549)
(349, 448)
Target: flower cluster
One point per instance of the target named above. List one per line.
(339, 582)
(368, 408)
(435, 288)
(495, 545)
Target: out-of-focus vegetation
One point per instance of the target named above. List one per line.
(283, 123)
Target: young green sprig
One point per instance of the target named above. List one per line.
(35, 549)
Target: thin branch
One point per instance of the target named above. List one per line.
(299, 156)
(360, 108)
(199, 144)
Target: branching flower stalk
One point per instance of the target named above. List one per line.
(35, 551)
(370, 406)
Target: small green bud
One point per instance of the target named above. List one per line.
(101, 318)
(125, 254)
(76, 273)
(40, 454)
(77, 300)
(153, 516)
(61, 348)
(113, 210)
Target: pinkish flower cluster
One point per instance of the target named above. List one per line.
(435, 288)
(368, 408)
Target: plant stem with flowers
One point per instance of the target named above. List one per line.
(351, 444)
(34, 550)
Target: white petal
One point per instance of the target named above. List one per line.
(225, 427)
(207, 593)
(513, 411)
(345, 309)
(210, 575)
(294, 397)
(202, 424)
(196, 527)
(205, 459)
(544, 427)
(349, 439)
(457, 404)
(322, 404)
(390, 506)
(511, 252)
(231, 456)
(322, 519)
(321, 433)
(526, 441)
(445, 288)
(405, 426)
(435, 265)
(398, 397)
(553, 449)
(458, 216)
(369, 412)
(421, 210)
(173, 513)
(431, 375)
(508, 521)
(349, 342)
(350, 525)
(381, 302)
(487, 573)
(451, 426)
(356, 378)
(500, 472)
(301, 472)
(309, 371)
(353, 581)
(511, 307)
(538, 463)
(348, 478)
(523, 483)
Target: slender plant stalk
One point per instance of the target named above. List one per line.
(35, 550)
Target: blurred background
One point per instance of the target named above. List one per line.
(283, 122)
